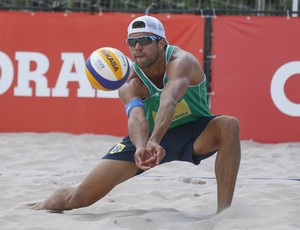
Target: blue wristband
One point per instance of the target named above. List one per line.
(133, 103)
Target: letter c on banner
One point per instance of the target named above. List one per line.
(277, 89)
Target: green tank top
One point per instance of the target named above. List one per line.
(191, 107)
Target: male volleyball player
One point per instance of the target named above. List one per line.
(168, 119)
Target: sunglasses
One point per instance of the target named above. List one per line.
(143, 41)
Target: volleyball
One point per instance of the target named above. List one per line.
(107, 68)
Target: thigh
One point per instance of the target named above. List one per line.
(208, 140)
(104, 177)
(178, 142)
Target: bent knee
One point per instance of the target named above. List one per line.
(222, 129)
(230, 123)
(229, 126)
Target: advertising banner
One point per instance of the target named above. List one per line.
(256, 75)
(43, 87)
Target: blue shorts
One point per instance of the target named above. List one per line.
(178, 143)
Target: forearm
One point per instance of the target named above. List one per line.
(163, 120)
(138, 130)
(172, 93)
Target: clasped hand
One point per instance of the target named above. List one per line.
(149, 157)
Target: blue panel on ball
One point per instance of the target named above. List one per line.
(110, 85)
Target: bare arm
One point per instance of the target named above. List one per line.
(137, 123)
(138, 128)
(180, 74)
(183, 70)
(169, 98)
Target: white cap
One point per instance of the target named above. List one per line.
(149, 24)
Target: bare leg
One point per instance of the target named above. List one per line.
(227, 164)
(222, 134)
(102, 179)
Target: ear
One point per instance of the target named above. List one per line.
(162, 44)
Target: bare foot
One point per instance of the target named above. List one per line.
(35, 206)
(39, 206)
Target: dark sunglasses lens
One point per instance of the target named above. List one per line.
(145, 41)
(142, 41)
(131, 42)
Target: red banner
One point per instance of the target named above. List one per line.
(256, 75)
(43, 86)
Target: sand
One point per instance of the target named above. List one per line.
(176, 195)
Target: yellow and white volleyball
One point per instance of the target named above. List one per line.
(107, 68)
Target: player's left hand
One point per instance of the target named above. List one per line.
(144, 159)
(156, 151)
